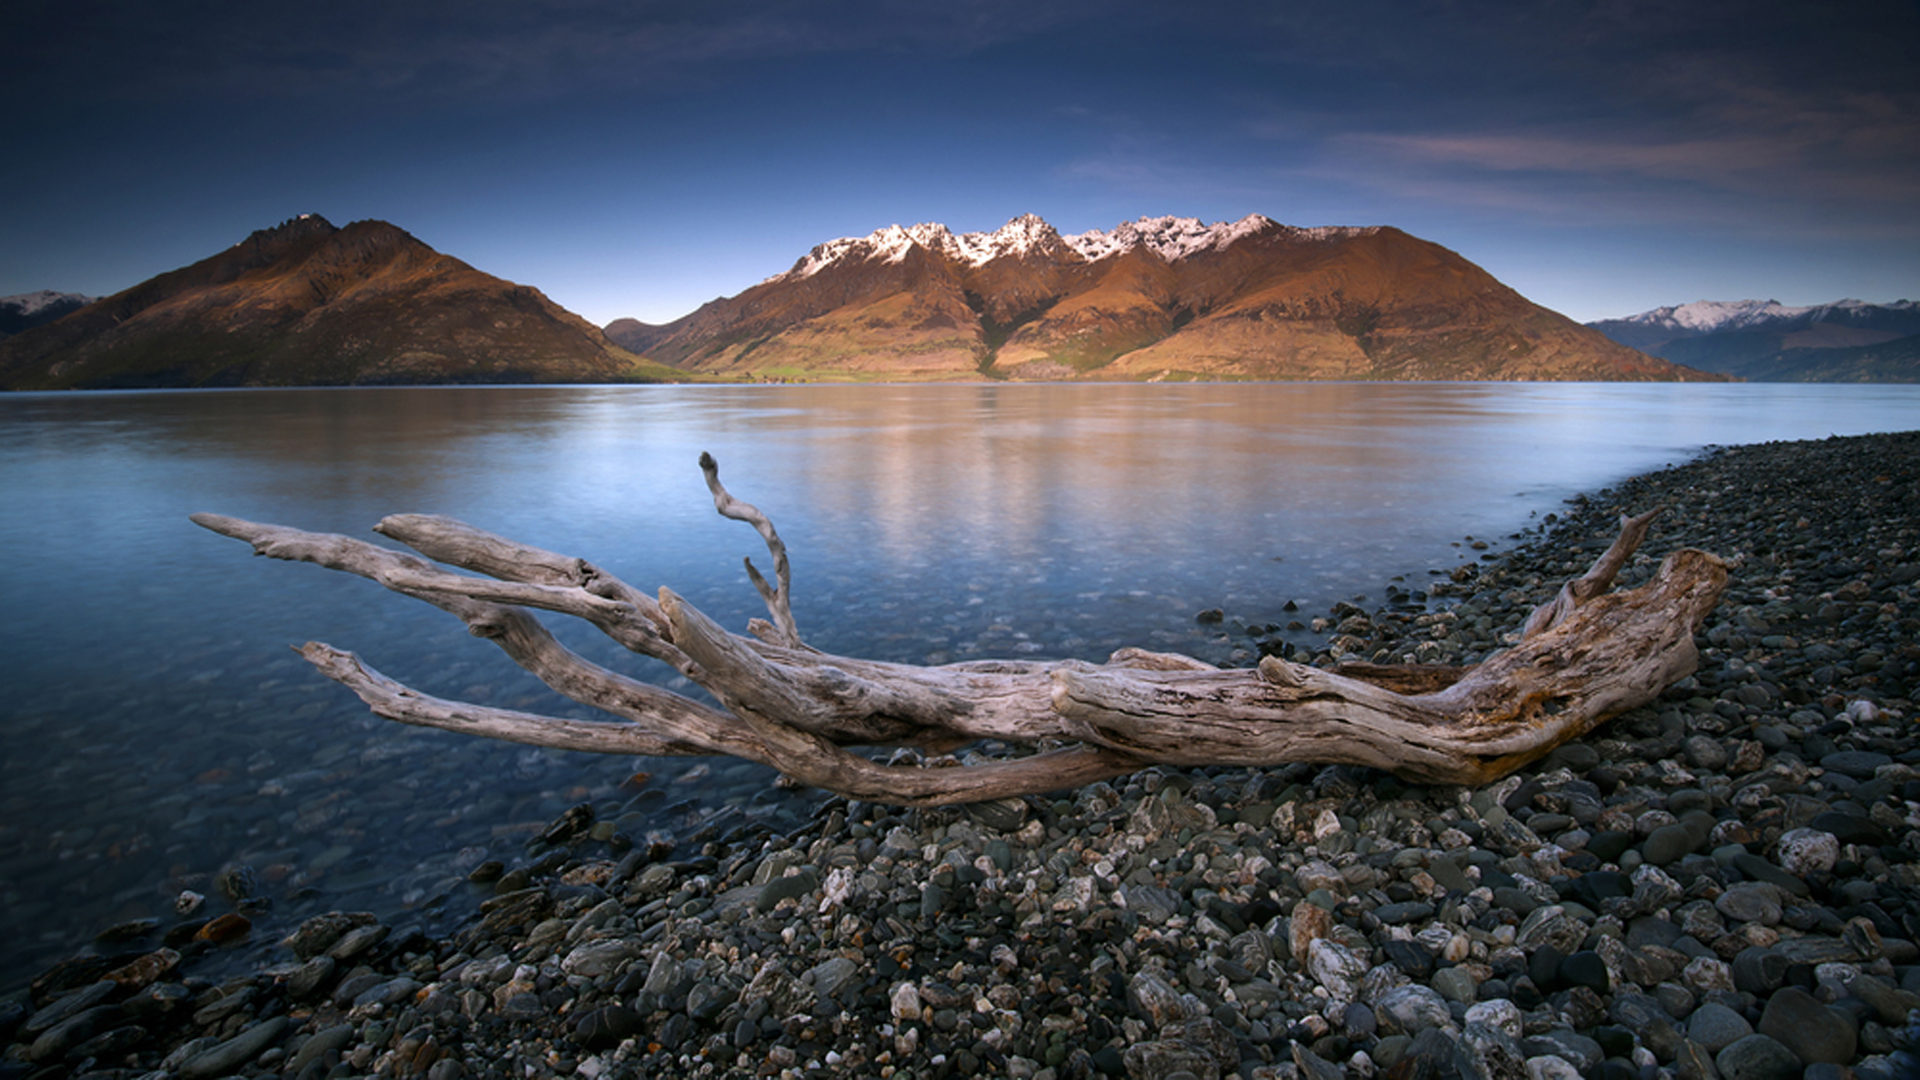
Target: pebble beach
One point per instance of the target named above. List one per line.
(1725, 883)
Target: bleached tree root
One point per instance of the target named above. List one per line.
(1582, 658)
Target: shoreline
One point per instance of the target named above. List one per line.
(1726, 876)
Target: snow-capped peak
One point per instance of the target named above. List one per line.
(1705, 316)
(1173, 238)
(1023, 235)
(1176, 238)
(1711, 316)
(35, 302)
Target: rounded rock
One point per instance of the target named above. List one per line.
(1409, 1010)
(1666, 844)
(606, 1027)
(1155, 999)
(1759, 970)
(1455, 984)
(1750, 901)
(224, 1057)
(1717, 1027)
(1586, 968)
(1551, 1067)
(1335, 967)
(1705, 974)
(1499, 1014)
(904, 1002)
(1757, 1057)
(1806, 851)
(1799, 1022)
(1860, 764)
(1551, 925)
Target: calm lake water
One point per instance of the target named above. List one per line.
(156, 730)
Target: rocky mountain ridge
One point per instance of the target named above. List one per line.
(1172, 238)
(1157, 298)
(308, 304)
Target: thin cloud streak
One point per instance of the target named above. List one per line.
(1795, 186)
(1689, 160)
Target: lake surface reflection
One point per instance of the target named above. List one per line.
(156, 730)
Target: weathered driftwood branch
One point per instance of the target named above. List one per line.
(1598, 578)
(1585, 656)
(777, 598)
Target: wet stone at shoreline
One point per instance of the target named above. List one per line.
(1640, 903)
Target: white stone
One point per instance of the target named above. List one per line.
(905, 1002)
(1834, 980)
(1862, 711)
(1808, 851)
(1705, 973)
(1498, 1014)
(1336, 968)
(1319, 874)
(1326, 824)
(835, 890)
(1075, 895)
(1551, 1067)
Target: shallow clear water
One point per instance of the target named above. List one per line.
(155, 728)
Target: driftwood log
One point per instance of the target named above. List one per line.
(1584, 657)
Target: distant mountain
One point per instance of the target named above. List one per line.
(28, 310)
(1896, 361)
(1767, 341)
(308, 304)
(1158, 298)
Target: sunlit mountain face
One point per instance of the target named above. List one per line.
(1156, 298)
(309, 304)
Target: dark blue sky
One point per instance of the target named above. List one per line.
(642, 158)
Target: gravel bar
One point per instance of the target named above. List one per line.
(1725, 883)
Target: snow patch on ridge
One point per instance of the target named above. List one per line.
(1021, 236)
(35, 302)
(1024, 235)
(1172, 238)
(1710, 316)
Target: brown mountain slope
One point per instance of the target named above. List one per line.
(875, 319)
(1377, 305)
(1127, 301)
(308, 304)
(1158, 298)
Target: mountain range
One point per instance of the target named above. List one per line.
(28, 310)
(309, 304)
(1767, 341)
(1157, 298)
